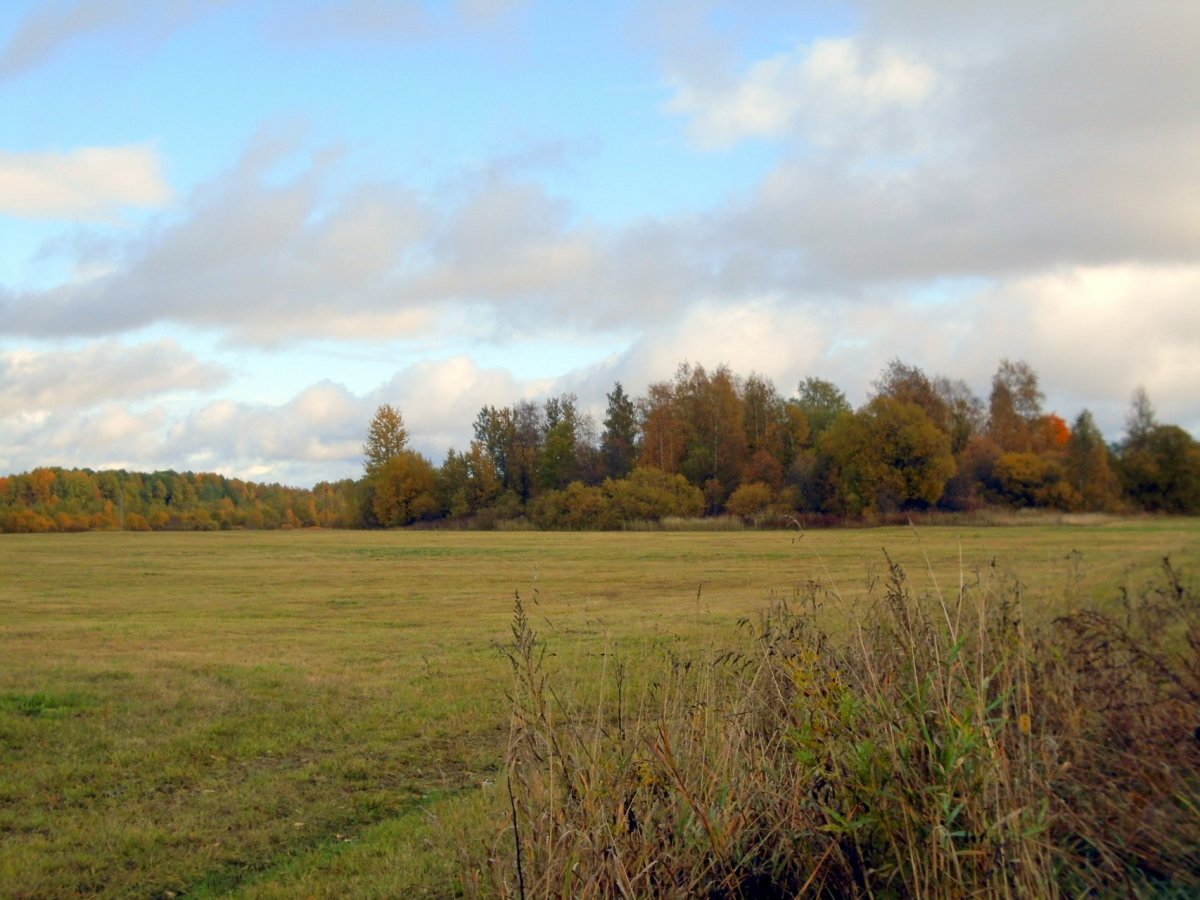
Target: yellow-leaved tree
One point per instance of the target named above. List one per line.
(386, 438)
(887, 456)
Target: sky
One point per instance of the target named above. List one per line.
(231, 229)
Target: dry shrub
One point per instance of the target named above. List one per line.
(938, 751)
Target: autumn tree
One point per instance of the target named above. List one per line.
(576, 507)
(1089, 465)
(776, 431)
(663, 428)
(762, 409)
(909, 384)
(1159, 465)
(964, 408)
(716, 438)
(40, 485)
(975, 466)
(751, 500)
(950, 404)
(1161, 470)
(1014, 405)
(467, 482)
(404, 490)
(887, 456)
(1024, 479)
(797, 434)
(334, 503)
(821, 402)
(495, 432)
(1049, 435)
(386, 438)
(512, 437)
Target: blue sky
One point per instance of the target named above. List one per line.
(229, 229)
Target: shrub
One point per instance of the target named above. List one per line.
(1029, 480)
(578, 507)
(750, 501)
(650, 493)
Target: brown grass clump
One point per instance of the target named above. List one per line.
(940, 750)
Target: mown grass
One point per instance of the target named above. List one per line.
(318, 713)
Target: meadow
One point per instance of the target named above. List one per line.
(326, 713)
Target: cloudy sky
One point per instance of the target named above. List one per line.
(230, 229)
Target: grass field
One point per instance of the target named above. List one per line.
(318, 713)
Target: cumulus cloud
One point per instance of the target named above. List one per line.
(108, 436)
(267, 261)
(100, 405)
(315, 435)
(1014, 141)
(34, 382)
(318, 434)
(826, 90)
(321, 428)
(440, 399)
(88, 183)
(1095, 333)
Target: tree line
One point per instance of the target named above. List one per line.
(56, 499)
(706, 442)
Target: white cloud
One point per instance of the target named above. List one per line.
(316, 434)
(987, 141)
(43, 381)
(108, 436)
(269, 262)
(825, 91)
(1091, 333)
(88, 183)
(1096, 333)
(440, 399)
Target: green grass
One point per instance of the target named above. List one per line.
(315, 713)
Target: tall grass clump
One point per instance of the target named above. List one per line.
(940, 749)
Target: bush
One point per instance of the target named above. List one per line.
(651, 494)
(1029, 480)
(578, 507)
(750, 501)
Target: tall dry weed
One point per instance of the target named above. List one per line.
(939, 750)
